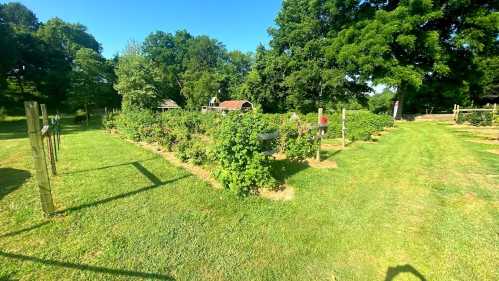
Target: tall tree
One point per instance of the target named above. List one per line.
(137, 80)
(91, 80)
(19, 17)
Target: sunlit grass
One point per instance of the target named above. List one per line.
(421, 201)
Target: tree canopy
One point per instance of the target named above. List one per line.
(430, 53)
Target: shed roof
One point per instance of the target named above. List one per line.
(168, 103)
(235, 104)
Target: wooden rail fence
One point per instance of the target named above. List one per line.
(458, 109)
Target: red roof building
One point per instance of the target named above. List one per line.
(235, 105)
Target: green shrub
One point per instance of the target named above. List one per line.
(192, 150)
(139, 125)
(479, 118)
(296, 139)
(109, 120)
(243, 168)
(475, 118)
(80, 116)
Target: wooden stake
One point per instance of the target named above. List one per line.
(49, 139)
(42, 176)
(58, 130)
(457, 113)
(54, 136)
(494, 114)
(343, 126)
(319, 135)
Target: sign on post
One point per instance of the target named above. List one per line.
(395, 109)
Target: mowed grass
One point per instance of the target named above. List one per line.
(422, 202)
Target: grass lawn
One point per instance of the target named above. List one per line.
(422, 202)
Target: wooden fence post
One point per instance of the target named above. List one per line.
(457, 113)
(319, 135)
(54, 136)
(35, 137)
(43, 107)
(343, 127)
(494, 113)
(58, 130)
(454, 113)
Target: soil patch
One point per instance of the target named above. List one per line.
(324, 164)
(287, 193)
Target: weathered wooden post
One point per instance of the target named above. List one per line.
(58, 130)
(319, 135)
(454, 113)
(343, 126)
(494, 109)
(35, 137)
(54, 137)
(49, 138)
(457, 113)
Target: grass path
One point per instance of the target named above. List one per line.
(422, 201)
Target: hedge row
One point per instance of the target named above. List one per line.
(360, 124)
(234, 143)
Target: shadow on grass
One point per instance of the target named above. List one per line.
(27, 229)
(284, 169)
(392, 272)
(11, 179)
(87, 267)
(156, 182)
(16, 129)
(109, 166)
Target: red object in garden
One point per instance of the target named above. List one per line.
(323, 120)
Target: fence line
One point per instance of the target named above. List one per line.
(51, 133)
(457, 109)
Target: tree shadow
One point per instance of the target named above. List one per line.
(13, 129)
(87, 267)
(11, 179)
(392, 272)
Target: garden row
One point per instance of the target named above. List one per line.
(236, 147)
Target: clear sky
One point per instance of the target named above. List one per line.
(239, 24)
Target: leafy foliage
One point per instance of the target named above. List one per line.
(296, 139)
(243, 168)
(475, 118)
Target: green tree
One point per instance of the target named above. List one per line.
(19, 17)
(136, 80)
(91, 80)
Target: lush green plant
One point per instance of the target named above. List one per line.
(192, 150)
(476, 118)
(243, 168)
(139, 125)
(381, 102)
(109, 120)
(296, 139)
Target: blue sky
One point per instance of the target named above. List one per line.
(238, 24)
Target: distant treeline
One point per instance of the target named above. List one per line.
(428, 54)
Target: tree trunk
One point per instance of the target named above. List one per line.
(86, 112)
(400, 98)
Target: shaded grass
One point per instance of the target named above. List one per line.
(418, 201)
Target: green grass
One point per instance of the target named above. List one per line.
(422, 201)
